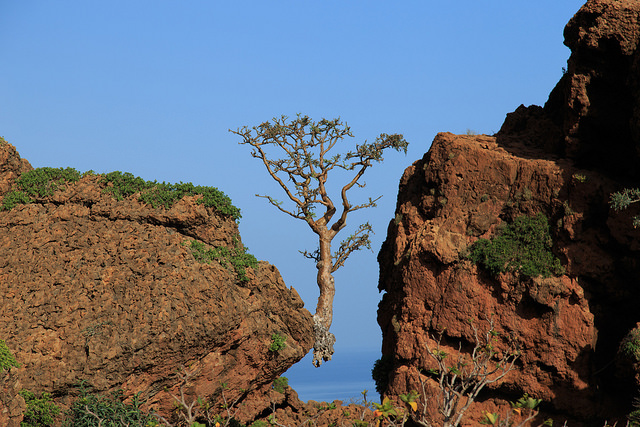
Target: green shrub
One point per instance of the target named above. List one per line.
(523, 246)
(108, 411)
(7, 361)
(280, 384)
(630, 345)
(634, 415)
(165, 194)
(37, 183)
(43, 182)
(41, 411)
(237, 257)
(380, 373)
(625, 198)
(278, 342)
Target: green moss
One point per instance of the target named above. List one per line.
(237, 257)
(523, 246)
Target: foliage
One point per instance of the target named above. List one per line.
(280, 384)
(523, 246)
(7, 361)
(38, 183)
(91, 410)
(462, 378)
(380, 372)
(625, 198)
(237, 257)
(122, 185)
(634, 416)
(43, 182)
(278, 342)
(524, 407)
(41, 411)
(630, 345)
(298, 156)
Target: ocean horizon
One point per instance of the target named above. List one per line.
(343, 378)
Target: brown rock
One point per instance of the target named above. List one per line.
(108, 291)
(563, 160)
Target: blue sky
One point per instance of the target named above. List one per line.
(152, 87)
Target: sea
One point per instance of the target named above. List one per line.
(344, 377)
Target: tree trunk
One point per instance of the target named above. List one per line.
(324, 340)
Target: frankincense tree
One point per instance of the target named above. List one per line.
(298, 156)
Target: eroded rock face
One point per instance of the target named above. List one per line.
(563, 160)
(109, 292)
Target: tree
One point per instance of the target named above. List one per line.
(301, 167)
(623, 199)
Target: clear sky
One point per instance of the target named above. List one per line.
(152, 87)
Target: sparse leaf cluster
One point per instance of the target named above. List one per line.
(237, 257)
(625, 198)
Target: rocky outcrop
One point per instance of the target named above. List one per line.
(108, 291)
(563, 160)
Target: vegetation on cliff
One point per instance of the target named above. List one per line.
(523, 246)
(43, 182)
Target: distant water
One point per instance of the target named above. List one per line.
(343, 378)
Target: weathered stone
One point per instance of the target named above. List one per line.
(108, 291)
(563, 160)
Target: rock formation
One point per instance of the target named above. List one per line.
(563, 160)
(108, 291)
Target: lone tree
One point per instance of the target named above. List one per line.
(296, 155)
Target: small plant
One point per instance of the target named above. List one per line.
(462, 378)
(280, 384)
(634, 416)
(391, 414)
(122, 185)
(630, 345)
(7, 361)
(107, 411)
(524, 407)
(278, 342)
(237, 257)
(625, 198)
(523, 246)
(38, 183)
(380, 373)
(41, 411)
(580, 177)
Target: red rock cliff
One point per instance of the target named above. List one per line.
(108, 291)
(563, 160)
